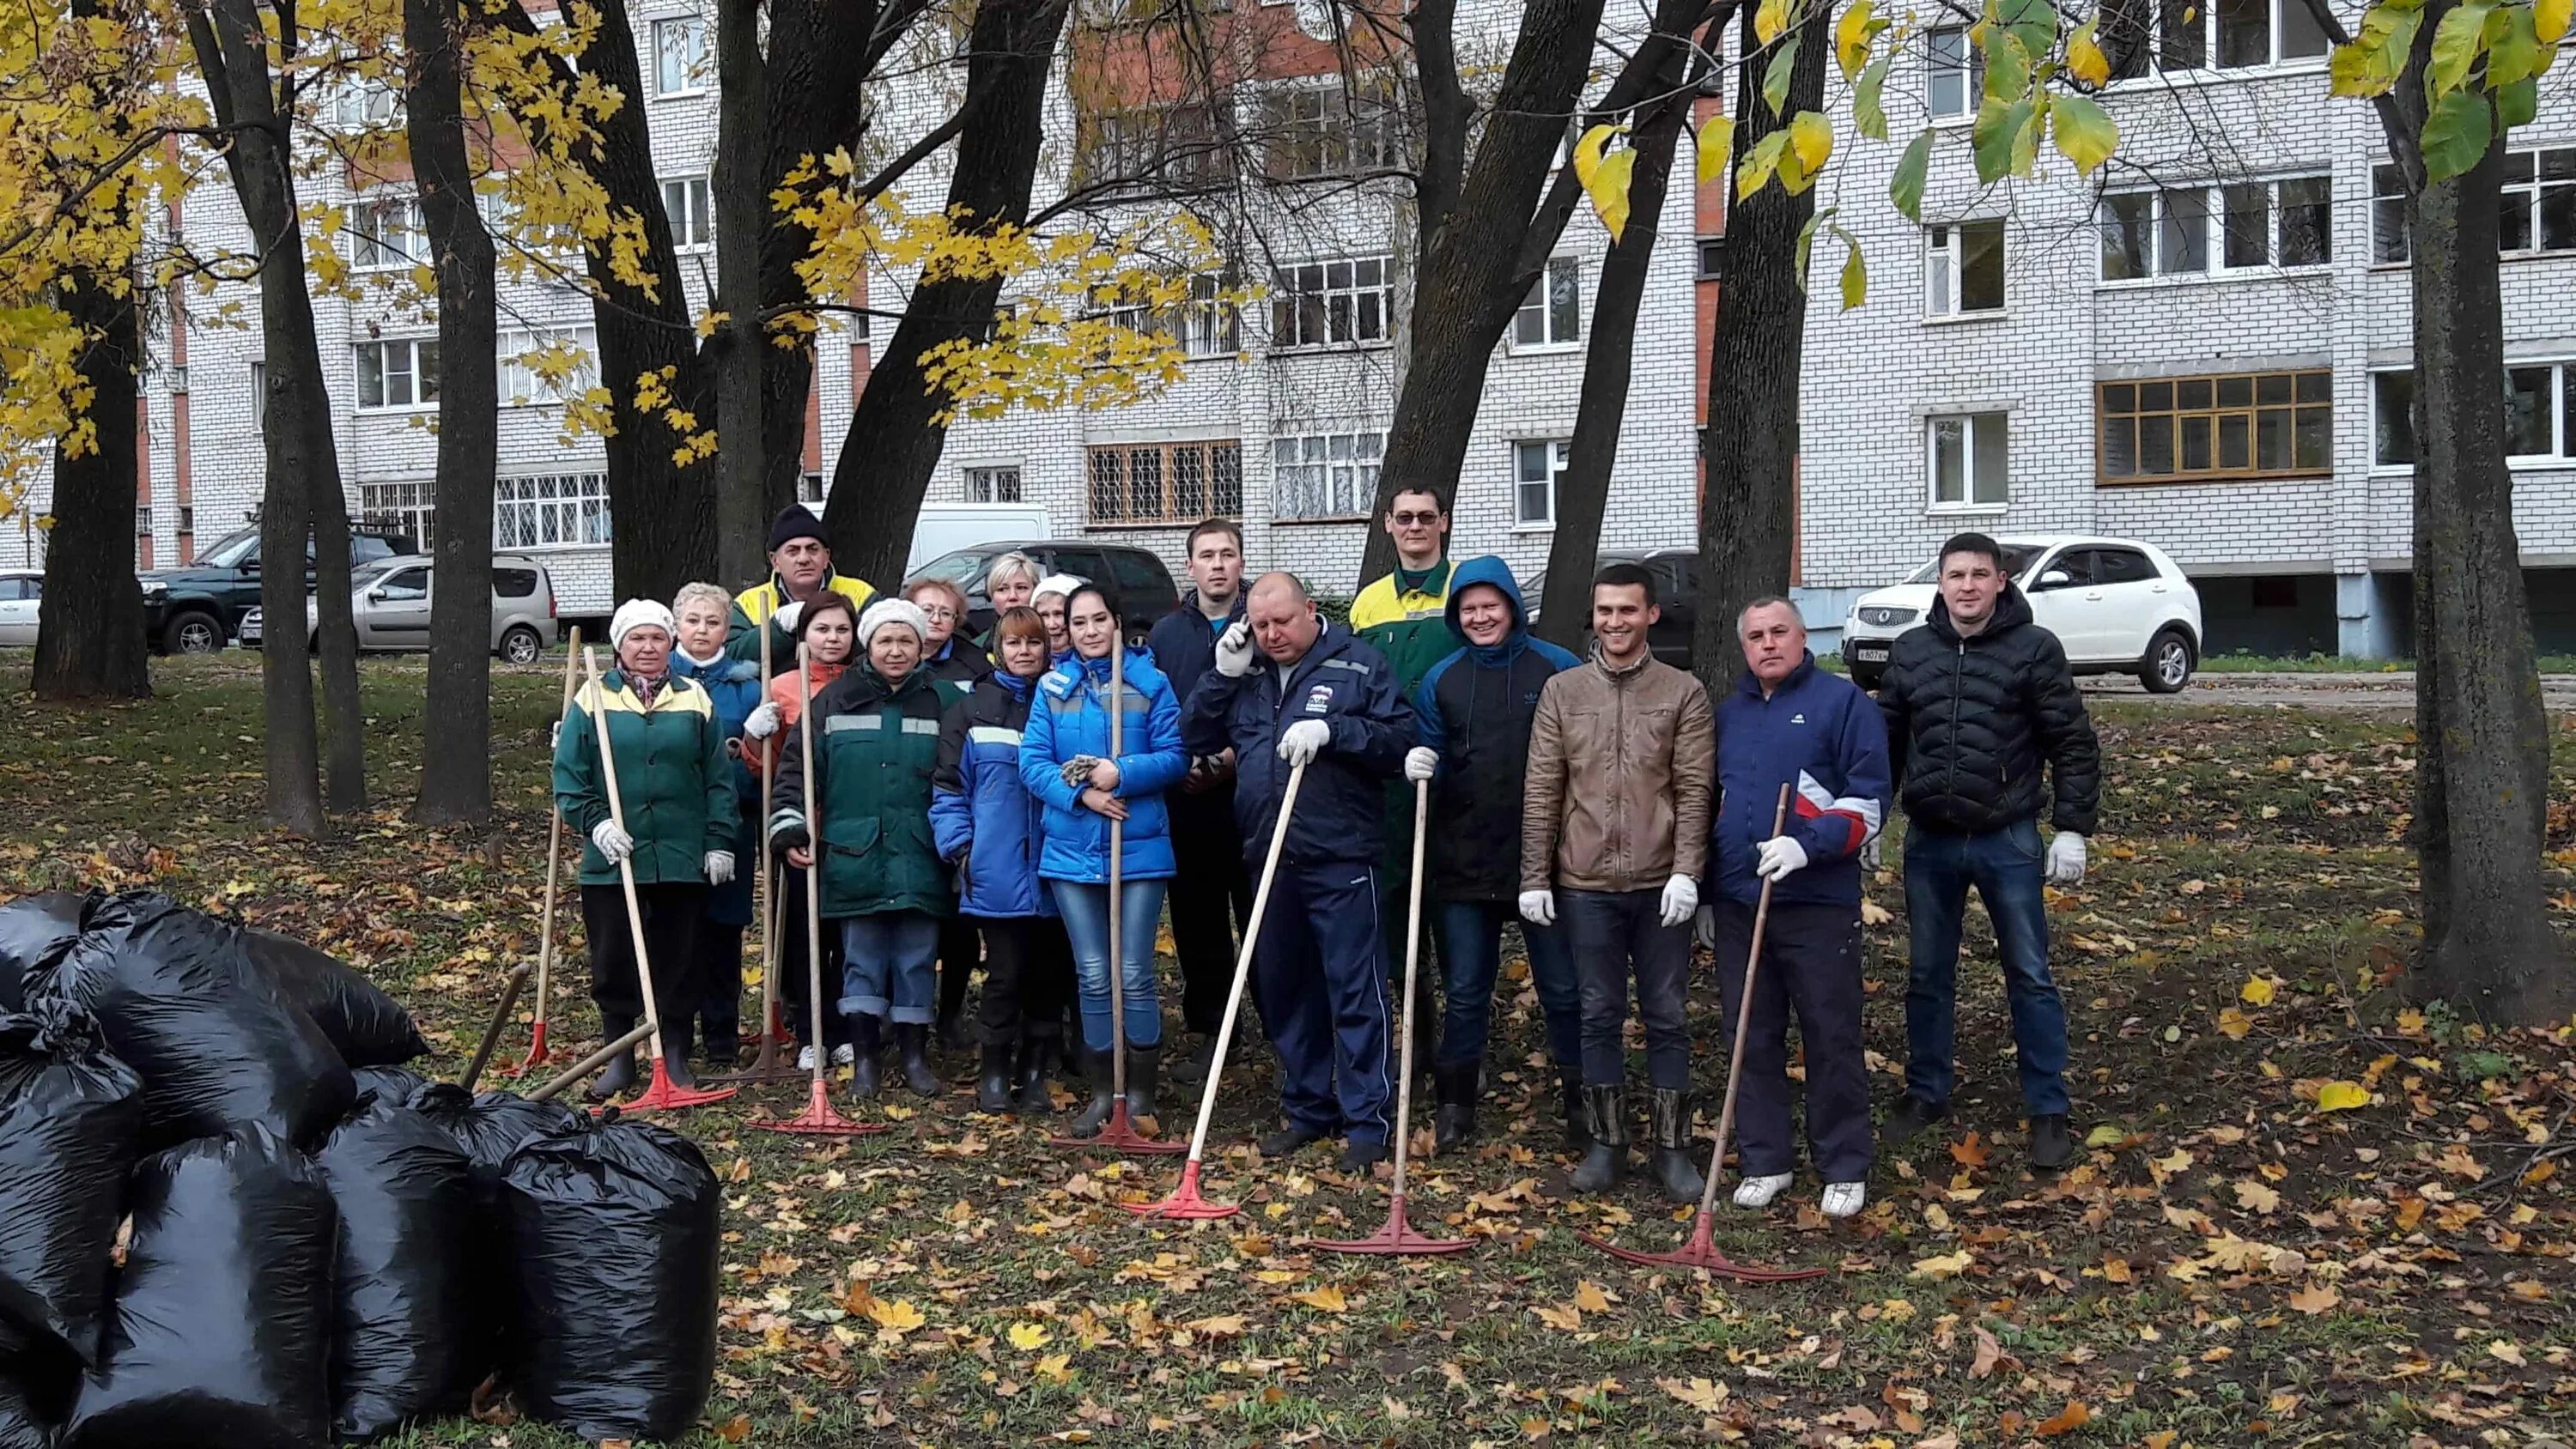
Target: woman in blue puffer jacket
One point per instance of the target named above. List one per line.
(1067, 762)
(987, 825)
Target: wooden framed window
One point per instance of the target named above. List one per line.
(2208, 429)
(1164, 482)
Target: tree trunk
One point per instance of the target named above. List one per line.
(1749, 456)
(1469, 282)
(895, 435)
(742, 216)
(2482, 767)
(89, 634)
(456, 728)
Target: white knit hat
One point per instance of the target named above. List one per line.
(893, 611)
(637, 613)
(1062, 584)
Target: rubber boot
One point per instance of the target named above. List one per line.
(1675, 1169)
(620, 1073)
(1606, 1112)
(866, 1033)
(1569, 1105)
(912, 1043)
(993, 1080)
(1095, 1070)
(675, 1065)
(1454, 1125)
(1037, 1055)
(1144, 1064)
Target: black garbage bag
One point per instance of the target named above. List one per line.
(369, 1028)
(22, 1425)
(222, 1332)
(489, 1127)
(35, 1394)
(393, 1084)
(71, 1126)
(399, 1342)
(35, 932)
(217, 1045)
(615, 1233)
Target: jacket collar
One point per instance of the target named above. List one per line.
(1329, 643)
(1751, 687)
(2012, 610)
(1190, 604)
(1009, 683)
(872, 687)
(1616, 673)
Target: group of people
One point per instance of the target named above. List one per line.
(965, 797)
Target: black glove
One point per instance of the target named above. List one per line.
(790, 837)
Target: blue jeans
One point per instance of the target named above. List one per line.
(2004, 866)
(1085, 909)
(887, 965)
(1609, 930)
(1470, 934)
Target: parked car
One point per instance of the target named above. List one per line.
(1134, 576)
(193, 610)
(2118, 605)
(20, 591)
(391, 600)
(1676, 574)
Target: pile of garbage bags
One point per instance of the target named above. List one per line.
(230, 1215)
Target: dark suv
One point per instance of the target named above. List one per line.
(194, 610)
(1676, 574)
(1135, 577)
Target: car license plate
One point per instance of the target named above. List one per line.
(1870, 653)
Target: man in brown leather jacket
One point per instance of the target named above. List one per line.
(1614, 831)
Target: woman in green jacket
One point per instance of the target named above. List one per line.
(876, 745)
(676, 791)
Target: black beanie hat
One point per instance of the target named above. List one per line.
(794, 522)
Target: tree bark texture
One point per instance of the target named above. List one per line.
(1468, 283)
(742, 217)
(895, 435)
(89, 636)
(1749, 453)
(456, 727)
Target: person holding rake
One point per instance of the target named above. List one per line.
(738, 691)
(829, 634)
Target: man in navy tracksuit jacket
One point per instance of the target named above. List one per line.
(1288, 688)
(1790, 723)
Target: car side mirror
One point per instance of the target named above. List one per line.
(2055, 579)
(375, 596)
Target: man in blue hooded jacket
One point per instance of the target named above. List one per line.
(1474, 709)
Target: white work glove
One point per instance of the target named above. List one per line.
(1681, 900)
(1077, 771)
(1538, 907)
(1300, 742)
(1780, 857)
(613, 843)
(761, 723)
(1704, 926)
(2066, 858)
(786, 615)
(719, 864)
(1421, 763)
(1869, 855)
(1234, 650)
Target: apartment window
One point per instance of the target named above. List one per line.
(565, 510)
(143, 520)
(993, 485)
(1963, 268)
(2278, 223)
(1552, 314)
(2155, 233)
(1332, 130)
(1165, 482)
(259, 398)
(809, 488)
(1207, 325)
(1321, 473)
(2184, 35)
(2167, 232)
(178, 379)
(2194, 429)
(691, 208)
(386, 232)
(1953, 71)
(1711, 248)
(2387, 214)
(398, 373)
(2539, 197)
(1179, 146)
(363, 104)
(1970, 460)
(407, 507)
(1331, 304)
(187, 520)
(2540, 411)
(533, 370)
(1536, 467)
(681, 56)
(2392, 419)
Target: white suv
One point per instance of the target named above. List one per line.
(2118, 606)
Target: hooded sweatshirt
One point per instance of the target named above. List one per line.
(1474, 708)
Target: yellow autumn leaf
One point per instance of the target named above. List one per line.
(1327, 1299)
(1700, 1394)
(1589, 1297)
(2234, 1024)
(2256, 1196)
(2342, 1096)
(2315, 1299)
(1055, 1368)
(2257, 991)
(1716, 147)
(1948, 1265)
(2549, 20)
(2084, 57)
(1608, 189)
(1567, 1319)
(1769, 19)
(1587, 153)
(708, 324)
(1028, 1336)
(1812, 137)
(896, 1317)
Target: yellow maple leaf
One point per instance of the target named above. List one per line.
(1589, 1297)
(2342, 1096)
(1949, 1265)
(1568, 1319)
(2256, 1196)
(2315, 1299)
(1028, 1336)
(2257, 991)
(1327, 1298)
(1055, 1368)
(2065, 1421)
(896, 1317)
(1700, 1394)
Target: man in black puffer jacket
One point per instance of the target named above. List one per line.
(1979, 700)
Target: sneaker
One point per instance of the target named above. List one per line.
(1842, 1199)
(805, 1059)
(2051, 1145)
(842, 1056)
(1908, 1118)
(1757, 1192)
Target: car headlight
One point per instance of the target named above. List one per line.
(154, 586)
(1886, 618)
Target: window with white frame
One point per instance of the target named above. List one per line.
(1536, 467)
(1322, 472)
(691, 208)
(1963, 268)
(1953, 71)
(1332, 130)
(2387, 214)
(2540, 411)
(1552, 314)
(1207, 325)
(556, 510)
(682, 58)
(385, 231)
(1969, 460)
(2189, 230)
(550, 365)
(398, 372)
(2285, 223)
(2539, 201)
(258, 397)
(1331, 304)
(2189, 35)
(365, 103)
(993, 485)
(2392, 419)
(406, 507)
(1180, 146)
(809, 488)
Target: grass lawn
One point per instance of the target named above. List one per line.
(2339, 664)
(2230, 1265)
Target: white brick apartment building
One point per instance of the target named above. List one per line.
(2206, 348)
